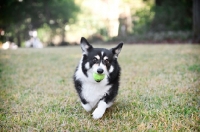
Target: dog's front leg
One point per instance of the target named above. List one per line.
(87, 107)
(100, 110)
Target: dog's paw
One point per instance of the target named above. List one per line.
(98, 113)
(87, 107)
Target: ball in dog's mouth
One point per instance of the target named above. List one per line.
(98, 77)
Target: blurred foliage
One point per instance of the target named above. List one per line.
(151, 20)
(17, 17)
(45, 33)
(142, 20)
(172, 15)
(164, 15)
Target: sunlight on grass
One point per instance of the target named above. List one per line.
(160, 88)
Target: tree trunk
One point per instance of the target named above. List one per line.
(18, 40)
(63, 34)
(158, 2)
(196, 21)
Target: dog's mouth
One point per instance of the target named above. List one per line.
(98, 77)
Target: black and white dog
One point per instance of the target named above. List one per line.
(99, 94)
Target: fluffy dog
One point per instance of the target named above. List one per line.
(97, 93)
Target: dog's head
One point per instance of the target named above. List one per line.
(99, 60)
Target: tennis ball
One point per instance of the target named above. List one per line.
(98, 77)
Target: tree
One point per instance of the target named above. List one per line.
(196, 21)
(172, 15)
(18, 17)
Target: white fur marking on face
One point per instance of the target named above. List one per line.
(102, 53)
(87, 65)
(97, 56)
(95, 67)
(105, 58)
(111, 69)
(102, 66)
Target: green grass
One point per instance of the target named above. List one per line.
(160, 90)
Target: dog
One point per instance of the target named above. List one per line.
(98, 94)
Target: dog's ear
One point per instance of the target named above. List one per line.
(117, 49)
(85, 46)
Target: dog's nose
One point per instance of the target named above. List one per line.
(99, 70)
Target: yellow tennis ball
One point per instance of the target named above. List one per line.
(98, 77)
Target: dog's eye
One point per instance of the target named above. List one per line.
(94, 60)
(106, 61)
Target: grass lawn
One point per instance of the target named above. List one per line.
(159, 91)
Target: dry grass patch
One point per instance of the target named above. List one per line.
(160, 88)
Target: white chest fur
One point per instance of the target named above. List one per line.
(93, 92)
